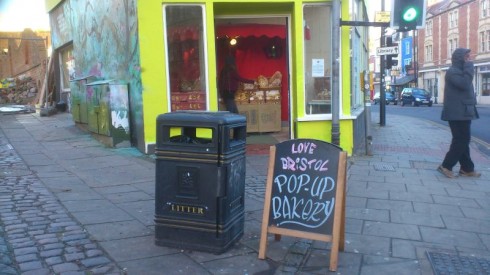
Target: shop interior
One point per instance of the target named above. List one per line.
(260, 49)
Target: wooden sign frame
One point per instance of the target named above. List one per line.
(337, 238)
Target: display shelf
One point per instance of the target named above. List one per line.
(262, 107)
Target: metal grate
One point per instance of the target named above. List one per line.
(447, 264)
(384, 167)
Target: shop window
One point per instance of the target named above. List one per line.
(67, 67)
(485, 88)
(185, 57)
(317, 53)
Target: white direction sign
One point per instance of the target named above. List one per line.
(387, 50)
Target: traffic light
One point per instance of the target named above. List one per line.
(391, 59)
(394, 61)
(407, 15)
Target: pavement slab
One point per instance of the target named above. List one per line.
(70, 205)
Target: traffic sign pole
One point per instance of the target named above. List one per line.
(382, 95)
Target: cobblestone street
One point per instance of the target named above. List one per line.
(37, 229)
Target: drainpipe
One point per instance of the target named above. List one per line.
(367, 116)
(335, 72)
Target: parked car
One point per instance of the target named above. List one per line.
(416, 97)
(389, 98)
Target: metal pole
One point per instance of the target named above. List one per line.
(335, 72)
(415, 58)
(382, 95)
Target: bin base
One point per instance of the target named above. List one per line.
(200, 239)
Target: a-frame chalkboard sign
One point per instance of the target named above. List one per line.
(305, 194)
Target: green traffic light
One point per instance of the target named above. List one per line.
(410, 14)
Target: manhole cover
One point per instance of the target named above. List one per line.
(384, 167)
(447, 264)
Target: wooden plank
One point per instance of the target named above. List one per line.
(342, 224)
(339, 209)
(45, 86)
(267, 204)
(299, 234)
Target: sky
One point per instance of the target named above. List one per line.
(16, 15)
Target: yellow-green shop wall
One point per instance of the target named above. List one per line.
(153, 70)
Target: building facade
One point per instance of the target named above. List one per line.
(169, 54)
(452, 24)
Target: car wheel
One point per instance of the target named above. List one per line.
(395, 103)
(387, 103)
(430, 104)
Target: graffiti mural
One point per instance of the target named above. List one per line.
(105, 46)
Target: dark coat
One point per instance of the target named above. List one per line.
(229, 79)
(459, 94)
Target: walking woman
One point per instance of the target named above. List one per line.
(459, 110)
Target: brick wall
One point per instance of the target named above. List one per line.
(25, 62)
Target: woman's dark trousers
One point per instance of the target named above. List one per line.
(459, 151)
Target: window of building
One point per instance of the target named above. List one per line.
(452, 45)
(429, 85)
(453, 19)
(484, 8)
(428, 28)
(428, 53)
(318, 59)
(487, 40)
(184, 37)
(485, 84)
(67, 67)
(26, 53)
(482, 41)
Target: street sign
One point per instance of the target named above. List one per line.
(387, 51)
(382, 16)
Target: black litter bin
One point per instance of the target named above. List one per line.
(200, 180)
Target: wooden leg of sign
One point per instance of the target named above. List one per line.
(267, 204)
(338, 221)
(342, 224)
(263, 241)
(277, 237)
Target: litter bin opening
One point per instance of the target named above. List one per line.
(189, 140)
(190, 135)
(237, 136)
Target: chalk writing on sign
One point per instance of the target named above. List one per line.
(303, 191)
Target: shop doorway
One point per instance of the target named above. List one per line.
(259, 47)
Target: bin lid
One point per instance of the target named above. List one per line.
(201, 117)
